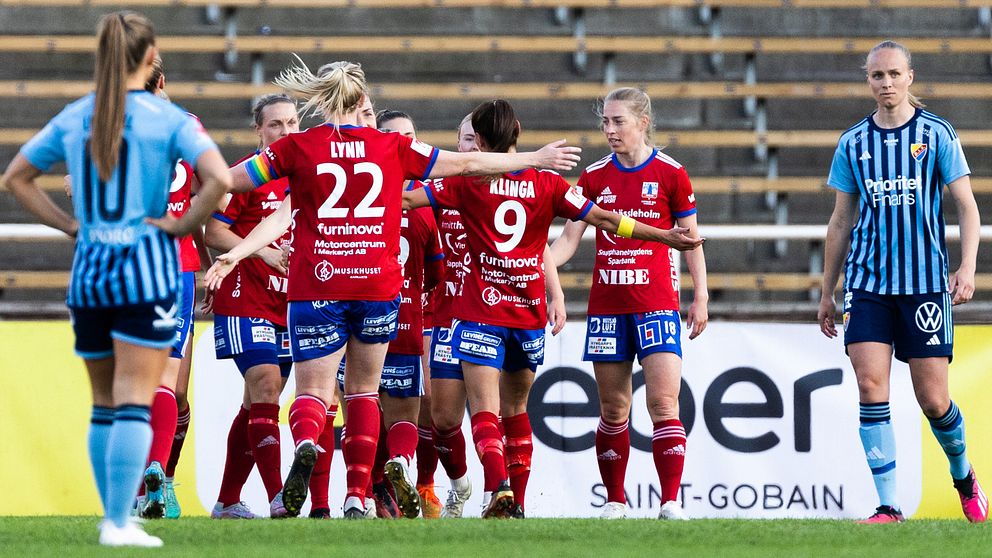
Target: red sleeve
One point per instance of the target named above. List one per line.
(234, 207)
(416, 157)
(433, 252)
(584, 187)
(682, 201)
(568, 202)
(444, 194)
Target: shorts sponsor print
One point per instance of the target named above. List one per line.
(917, 326)
(321, 327)
(501, 347)
(251, 342)
(402, 376)
(621, 337)
(444, 365)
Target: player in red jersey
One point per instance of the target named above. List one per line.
(346, 204)
(427, 460)
(634, 299)
(501, 313)
(250, 325)
(170, 408)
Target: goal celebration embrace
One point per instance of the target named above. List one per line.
(411, 333)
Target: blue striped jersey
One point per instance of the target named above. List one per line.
(120, 259)
(897, 243)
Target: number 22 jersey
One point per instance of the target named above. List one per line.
(346, 194)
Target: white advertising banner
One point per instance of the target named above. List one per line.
(771, 413)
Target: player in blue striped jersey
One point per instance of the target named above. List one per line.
(120, 146)
(890, 171)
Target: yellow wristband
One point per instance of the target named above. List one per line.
(626, 227)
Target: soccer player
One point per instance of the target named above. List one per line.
(890, 171)
(501, 312)
(401, 123)
(250, 325)
(121, 144)
(634, 298)
(347, 182)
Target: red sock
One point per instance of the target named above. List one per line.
(668, 446)
(402, 440)
(426, 456)
(489, 446)
(381, 455)
(450, 447)
(519, 452)
(612, 452)
(182, 426)
(263, 432)
(363, 420)
(164, 416)
(239, 460)
(320, 479)
(306, 418)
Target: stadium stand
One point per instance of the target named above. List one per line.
(750, 95)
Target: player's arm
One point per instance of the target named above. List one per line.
(265, 233)
(835, 247)
(962, 282)
(412, 199)
(698, 315)
(433, 272)
(626, 227)
(555, 156)
(19, 178)
(556, 296)
(220, 237)
(564, 247)
(215, 181)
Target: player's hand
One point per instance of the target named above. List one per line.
(67, 185)
(273, 257)
(677, 238)
(207, 306)
(169, 224)
(556, 314)
(697, 318)
(222, 267)
(558, 156)
(962, 286)
(287, 249)
(825, 315)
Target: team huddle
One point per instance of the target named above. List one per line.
(401, 284)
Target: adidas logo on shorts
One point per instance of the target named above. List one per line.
(934, 341)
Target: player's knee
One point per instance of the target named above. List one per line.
(933, 406)
(663, 408)
(871, 388)
(614, 412)
(265, 389)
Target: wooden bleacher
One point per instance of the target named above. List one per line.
(522, 4)
(507, 44)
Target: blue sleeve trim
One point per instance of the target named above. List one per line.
(430, 166)
(223, 218)
(435, 257)
(585, 210)
(430, 197)
(685, 213)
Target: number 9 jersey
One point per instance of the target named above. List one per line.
(347, 198)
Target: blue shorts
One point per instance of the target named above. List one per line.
(321, 327)
(184, 319)
(402, 376)
(917, 326)
(504, 348)
(151, 324)
(444, 366)
(252, 341)
(621, 337)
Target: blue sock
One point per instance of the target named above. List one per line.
(949, 431)
(127, 449)
(100, 422)
(879, 440)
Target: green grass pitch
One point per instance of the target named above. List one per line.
(76, 537)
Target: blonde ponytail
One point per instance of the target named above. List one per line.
(335, 90)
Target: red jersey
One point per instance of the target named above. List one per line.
(180, 195)
(253, 289)
(419, 243)
(629, 275)
(449, 224)
(347, 187)
(507, 236)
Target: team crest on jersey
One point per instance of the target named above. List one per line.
(324, 270)
(918, 151)
(649, 190)
(491, 296)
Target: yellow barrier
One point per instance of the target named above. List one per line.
(971, 386)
